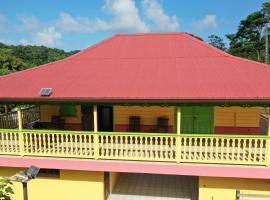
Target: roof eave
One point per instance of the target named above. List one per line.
(222, 101)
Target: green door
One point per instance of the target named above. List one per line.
(187, 120)
(196, 119)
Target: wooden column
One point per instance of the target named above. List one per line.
(178, 131)
(6, 109)
(95, 119)
(20, 127)
(19, 115)
(96, 136)
(178, 121)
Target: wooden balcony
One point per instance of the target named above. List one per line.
(219, 149)
(10, 119)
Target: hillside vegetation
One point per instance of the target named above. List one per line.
(15, 58)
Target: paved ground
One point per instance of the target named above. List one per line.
(155, 187)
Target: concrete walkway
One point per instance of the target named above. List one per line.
(155, 187)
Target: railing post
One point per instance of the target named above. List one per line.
(96, 139)
(268, 142)
(178, 137)
(19, 115)
(178, 149)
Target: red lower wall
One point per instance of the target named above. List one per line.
(73, 127)
(152, 128)
(237, 130)
(144, 128)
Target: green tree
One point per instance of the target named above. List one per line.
(266, 10)
(10, 64)
(217, 42)
(5, 189)
(16, 58)
(249, 40)
(199, 38)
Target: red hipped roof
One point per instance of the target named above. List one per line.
(153, 66)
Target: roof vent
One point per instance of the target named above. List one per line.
(45, 92)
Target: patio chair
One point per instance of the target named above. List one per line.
(134, 124)
(162, 124)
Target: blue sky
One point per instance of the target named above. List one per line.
(72, 25)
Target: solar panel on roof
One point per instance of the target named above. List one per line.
(45, 91)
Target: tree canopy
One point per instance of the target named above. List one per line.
(5, 189)
(217, 42)
(249, 40)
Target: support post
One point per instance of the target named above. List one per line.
(6, 109)
(178, 120)
(95, 119)
(268, 141)
(19, 115)
(178, 138)
(25, 191)
(96, 137)
(20, 126)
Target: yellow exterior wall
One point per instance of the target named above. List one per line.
(237, 116)
(47, 111)
(113, 180)
(79, 185)
(212, 188)
(17, 187)
(148, 115)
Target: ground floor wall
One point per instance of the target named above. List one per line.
(70, 185)
(83, 185)
(214, 188)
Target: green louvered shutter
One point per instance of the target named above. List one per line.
(196, 119)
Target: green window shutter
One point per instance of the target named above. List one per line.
(204, 119)
(187, 120)
(68, 109)
(195, 119)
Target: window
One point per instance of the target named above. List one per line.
(68, 109)
(54, 173)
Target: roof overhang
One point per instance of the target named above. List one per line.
(223, 102)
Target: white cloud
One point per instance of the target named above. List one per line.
(124, 17)
(68, 23)
(3, 21)
(47, 37)
(24, 42)
(154, 11)
(208, 22)
(8, 41)
(29, 24)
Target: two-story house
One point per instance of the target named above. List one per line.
(160, 115)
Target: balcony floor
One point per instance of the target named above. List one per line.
(155, 187)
